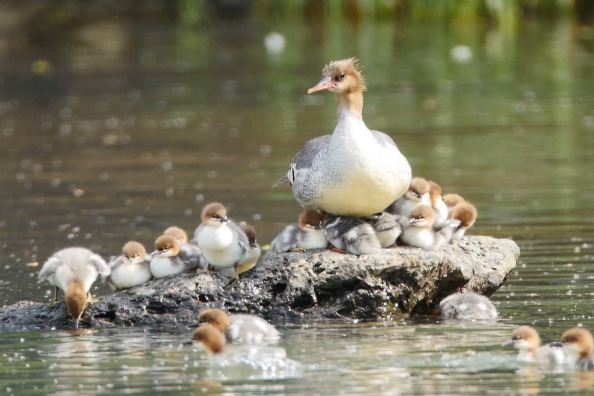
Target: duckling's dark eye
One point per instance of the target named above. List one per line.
(340, 77)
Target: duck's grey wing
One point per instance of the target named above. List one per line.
(304, 159)
(49, 268)
(100, 264)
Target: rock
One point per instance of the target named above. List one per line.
(316, 284)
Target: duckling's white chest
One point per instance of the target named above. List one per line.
(219, 246)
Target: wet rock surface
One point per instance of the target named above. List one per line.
(316, 284)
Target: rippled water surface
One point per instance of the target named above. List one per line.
(115, 125)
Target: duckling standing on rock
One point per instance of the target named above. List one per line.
(418, 230)
(466, 213)
(241, 328)
(180, 235)
(130, 269)
(417, 194)
(168, 259)
(451, 200)
(467, 306)
(355, 171)
(74, 270)
(387, 228)
(352, 235)
(253, 253)
(307, 234)
(223, 243)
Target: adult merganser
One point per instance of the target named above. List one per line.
(437, 203)
(355, 171)
(387, 228)
(467, 306)
(352, 235)
(418, 229)
(252, 254)
(466, 213)
(307, 234)
(241, 328)
(169, 259)
(223, 243)
(130, 269)
(451, 200)
(270, 361)
(578, 346)
(417, 193)
(74, 270)
(527, 341)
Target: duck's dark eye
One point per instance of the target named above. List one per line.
(340, 77)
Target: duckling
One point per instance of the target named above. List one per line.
(307, 234)
(223, 243)
(241, 328)
(439, 207)
(168, 259)
(417, 194)
(74, 270)
(527, 341)
(252, 254)
(466, 213)
(418, 229)
(130, 269)
(352, 235)
(467, 306)
(387, 228)
(578, 346)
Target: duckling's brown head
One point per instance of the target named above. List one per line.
(178, 233)
(166, 246)
(580, 340)
(215, 317)
(310, 219)
(466, 213)
(210, 337)
(133, 250)
(214, 214)
(76, 300)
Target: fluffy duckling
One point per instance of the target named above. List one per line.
(417, 194)
(241, 328)
(467, 306)
(180, 235)
(130, 269)
(190, 249)
(578, 346)
(527, 341)
(223, 243)
(169, 259)
(74, 270)
(387, 228)
(439, 207)
(418, 229)
(466, 213)
(451, 200)
(352, 235)
(270, 361)
(252, 254)
(307, 234)
(329, 173)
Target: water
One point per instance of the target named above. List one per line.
(115, 128)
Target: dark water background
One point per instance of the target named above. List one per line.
(116, 124)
